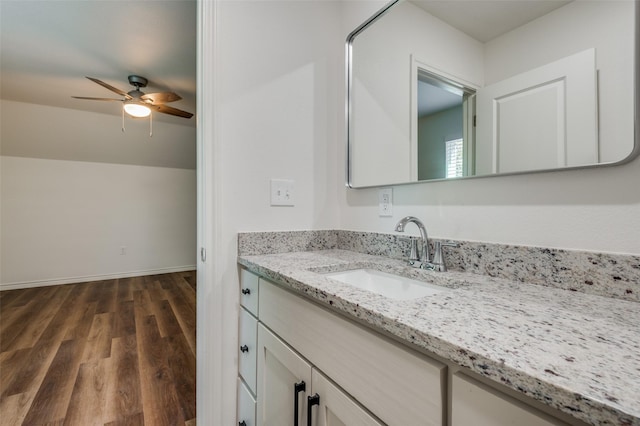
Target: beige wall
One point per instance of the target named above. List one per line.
(66, 221)
(68, 204)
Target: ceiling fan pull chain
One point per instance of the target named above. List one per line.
(150, 125)
(123, 119)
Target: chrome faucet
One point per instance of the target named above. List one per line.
(425, 260)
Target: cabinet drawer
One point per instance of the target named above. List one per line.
(249, 291)
(479, 405)
(248, 348)
(397, 385)
(246, 406)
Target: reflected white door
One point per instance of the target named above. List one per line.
(541, 119)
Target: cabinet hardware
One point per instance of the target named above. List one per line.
(297, 388)
(246, 291)
(244, 348)
(311, 401)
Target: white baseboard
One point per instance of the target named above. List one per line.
(71, 280)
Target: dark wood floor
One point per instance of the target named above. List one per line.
(114, 352)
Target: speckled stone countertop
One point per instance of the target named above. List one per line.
(576, 352)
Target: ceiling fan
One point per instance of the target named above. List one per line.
(137, 103)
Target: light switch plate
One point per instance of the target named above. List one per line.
(282, 192)
(385, 202)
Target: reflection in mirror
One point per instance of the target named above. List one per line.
(444, 144)
(441, 89)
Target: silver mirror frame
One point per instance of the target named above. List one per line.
(635, 152)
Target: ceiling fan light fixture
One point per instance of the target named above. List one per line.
(138, 104)
(136, 109)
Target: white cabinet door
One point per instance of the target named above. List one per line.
(398, 386)
(335, 407)
(476, 404)
(279, 370)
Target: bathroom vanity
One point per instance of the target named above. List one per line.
(487, 351)
(518, 335)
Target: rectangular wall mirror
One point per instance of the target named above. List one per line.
(457, 89)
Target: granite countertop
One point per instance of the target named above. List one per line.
(576, 352)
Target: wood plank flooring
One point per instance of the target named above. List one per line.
(109, 353)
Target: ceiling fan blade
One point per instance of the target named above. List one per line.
(161, 97)
(110, 87)
(172, 111)
(96, 99)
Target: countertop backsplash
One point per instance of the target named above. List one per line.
(603, 274)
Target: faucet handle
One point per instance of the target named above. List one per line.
(438, 256)
(437, 253)
(414, 256)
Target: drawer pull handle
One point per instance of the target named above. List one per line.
(246, 291)
(244, 348)
(242, 423)
(311, 401)
(297, 388)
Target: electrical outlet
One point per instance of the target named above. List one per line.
(385, 202)
(282, 192)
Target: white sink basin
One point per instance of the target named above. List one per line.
(388, 285)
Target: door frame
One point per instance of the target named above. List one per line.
(216, 405)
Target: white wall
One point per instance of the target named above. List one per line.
(278, 69)
(75, 188)
(596, 209)
(66, 221)
(279, 84)
(281, 91)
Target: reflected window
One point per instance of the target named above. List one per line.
(454, 158)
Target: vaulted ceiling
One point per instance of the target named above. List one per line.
(48, 47)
